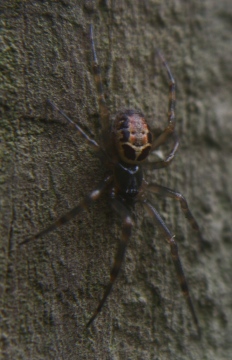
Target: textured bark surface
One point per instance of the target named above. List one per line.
(50, 288)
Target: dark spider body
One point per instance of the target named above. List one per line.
(132, 140)
(125, 150)
(128, 180)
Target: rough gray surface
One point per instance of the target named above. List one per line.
(50, 288)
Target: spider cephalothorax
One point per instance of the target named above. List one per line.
(130, 146)
(132, 135)
(128, 179)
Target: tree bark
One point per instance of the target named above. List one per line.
(51, 287)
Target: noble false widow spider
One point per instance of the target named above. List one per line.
(126, 145)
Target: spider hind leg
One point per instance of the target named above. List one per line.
(103, 110)
(72, 124)
(171, 108)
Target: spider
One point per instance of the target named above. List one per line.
(125, 146)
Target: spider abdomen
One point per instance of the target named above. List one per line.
(132, 136)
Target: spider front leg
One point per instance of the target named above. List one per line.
(86, 202)
(163, 191)
(176, 259)
(126, 234)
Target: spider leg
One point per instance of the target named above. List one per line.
(104, 112)
(163, 191)
(176, 259)
(126, 234)
(171, 108)
(84, 204)
(166, 162)
(91, 142)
